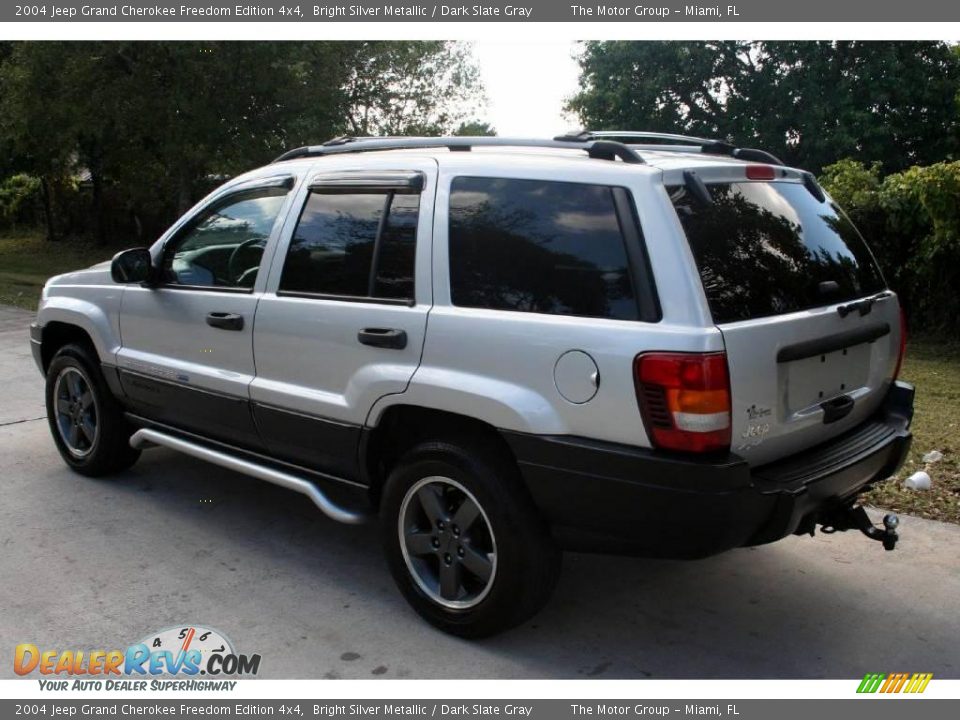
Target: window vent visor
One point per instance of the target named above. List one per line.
(684, 400)
(402, 182)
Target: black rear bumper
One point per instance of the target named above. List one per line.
(606, 497)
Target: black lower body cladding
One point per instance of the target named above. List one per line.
(606, 497)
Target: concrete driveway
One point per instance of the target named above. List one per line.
(90, 564)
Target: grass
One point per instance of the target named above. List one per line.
(27, 260)
(932, 364)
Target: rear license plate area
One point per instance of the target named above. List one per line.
(813, 380)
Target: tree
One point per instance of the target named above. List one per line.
(36, 127)
(475, 128)
(157, 124)
(409, 88)
(912, 221)
(809, 102)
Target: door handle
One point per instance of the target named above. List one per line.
(392, 338)
(225, 321)
(836, 409)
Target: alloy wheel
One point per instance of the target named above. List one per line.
(76, 412)
(447, 542)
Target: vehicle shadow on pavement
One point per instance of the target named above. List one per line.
(176, 540)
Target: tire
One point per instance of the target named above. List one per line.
(423, 546)
(100, 444)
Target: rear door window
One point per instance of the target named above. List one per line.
(538, 246)
(772, 248)
(354, 245)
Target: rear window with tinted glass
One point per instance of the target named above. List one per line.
(772, 248)
(538, 246)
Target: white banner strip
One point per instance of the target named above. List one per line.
(329, 690)
(505, 31)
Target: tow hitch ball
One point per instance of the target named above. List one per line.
(850, 518)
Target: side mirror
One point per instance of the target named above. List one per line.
(132, 266)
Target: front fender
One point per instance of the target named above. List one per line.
(96, 313)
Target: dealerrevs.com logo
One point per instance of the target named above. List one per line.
(186, 652)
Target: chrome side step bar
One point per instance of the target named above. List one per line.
(146, 436)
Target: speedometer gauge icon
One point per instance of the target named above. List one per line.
(180, 639)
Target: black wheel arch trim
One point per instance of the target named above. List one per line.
(112, 375)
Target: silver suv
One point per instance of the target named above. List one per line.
(621, 342)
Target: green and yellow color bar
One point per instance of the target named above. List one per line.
(894, 683)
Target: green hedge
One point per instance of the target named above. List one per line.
(18, 200)
(912, 221)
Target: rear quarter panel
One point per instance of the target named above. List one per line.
(498, 366)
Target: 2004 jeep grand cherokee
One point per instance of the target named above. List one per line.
(622, 342)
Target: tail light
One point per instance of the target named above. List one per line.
(684, 400)
(903, 344)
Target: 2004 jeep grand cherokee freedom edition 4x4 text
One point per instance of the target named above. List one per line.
(623, 342)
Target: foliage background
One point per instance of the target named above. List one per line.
(809, 103)
(878, 121)
(108, 139)
(913, 221)
(108, 142)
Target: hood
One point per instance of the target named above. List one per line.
(94, 275)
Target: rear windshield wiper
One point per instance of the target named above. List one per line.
(697, 188)
(863, 306)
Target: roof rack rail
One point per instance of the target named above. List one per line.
(750, 154)
(707, 146)
(630, 135)
(596, 148)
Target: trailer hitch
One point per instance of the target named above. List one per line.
(856, 518)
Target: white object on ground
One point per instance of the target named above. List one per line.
(918, 481)
(933, 456)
